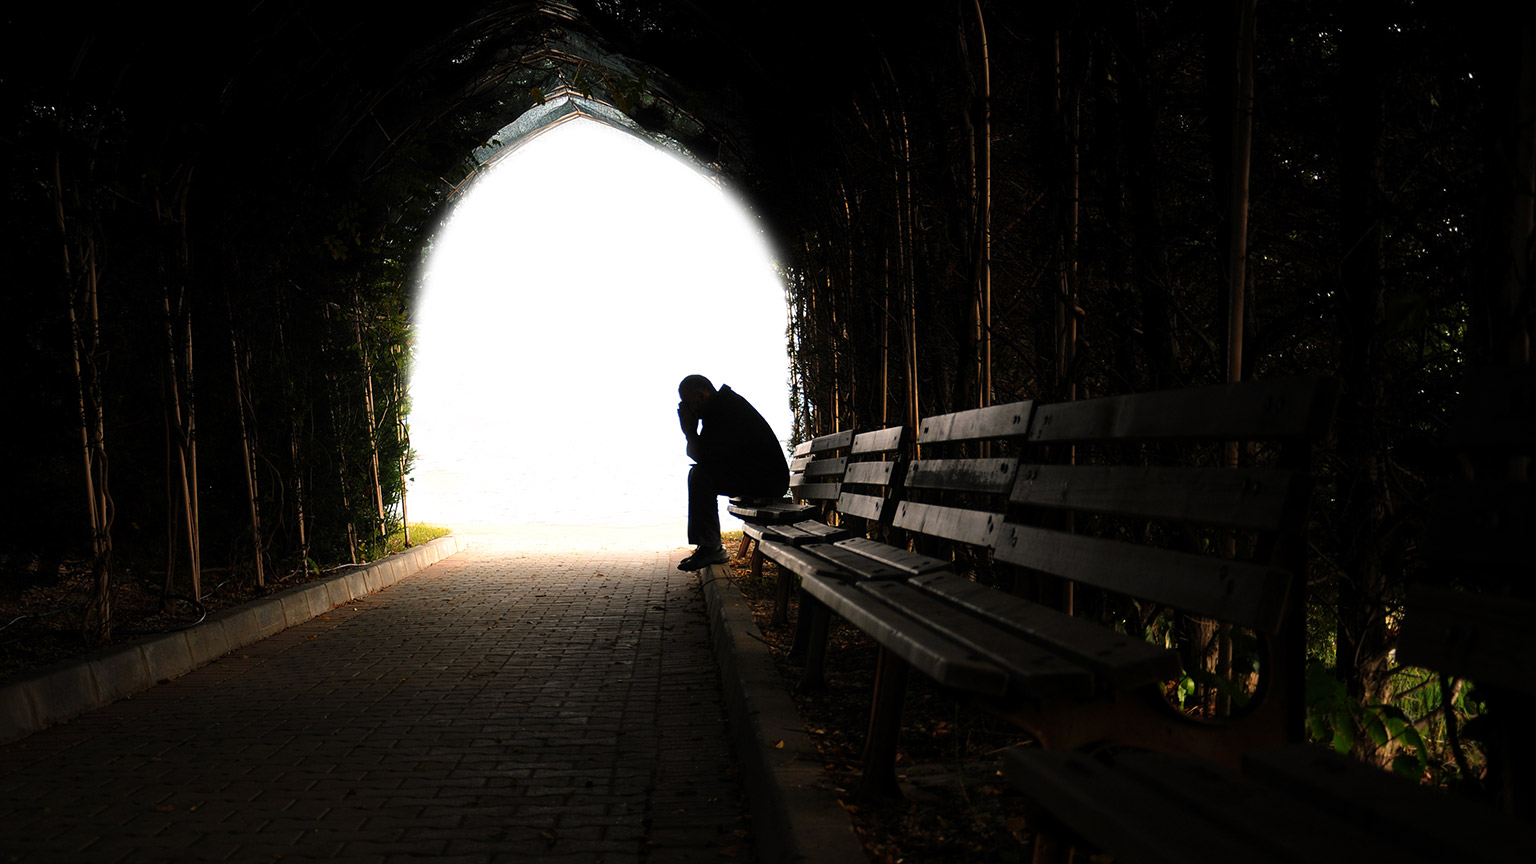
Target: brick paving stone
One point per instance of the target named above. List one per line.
(502, 705)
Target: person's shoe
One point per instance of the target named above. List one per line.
(702, 558)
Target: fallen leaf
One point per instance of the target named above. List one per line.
(779, 745)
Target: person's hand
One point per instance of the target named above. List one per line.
(686, 419)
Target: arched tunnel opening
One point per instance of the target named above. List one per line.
(571, 288)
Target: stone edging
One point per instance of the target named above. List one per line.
(793, 817)
(52, 695)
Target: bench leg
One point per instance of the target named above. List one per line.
(781, 599)
(884, 729)
(741, 548)
(813, 678)
(803, 617)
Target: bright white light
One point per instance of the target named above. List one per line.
(565, 297)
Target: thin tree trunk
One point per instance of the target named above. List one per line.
(96, 624)
(373, 438)
(247, 444)
(1237, 261)
(1361, 313)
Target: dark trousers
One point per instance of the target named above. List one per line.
(703, 508)
(704, 487)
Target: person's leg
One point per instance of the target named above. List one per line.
(703, 521)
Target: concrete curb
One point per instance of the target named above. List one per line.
(54, 694)
(793, 818)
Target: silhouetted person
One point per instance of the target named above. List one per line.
(734, 452)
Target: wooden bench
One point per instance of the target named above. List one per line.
(815, 478)
(1126, 498)
(871, 471)
(1306, 803)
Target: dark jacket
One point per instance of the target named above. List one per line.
(740, 450)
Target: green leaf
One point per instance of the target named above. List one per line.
(1407, 765)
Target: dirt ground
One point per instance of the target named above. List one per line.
(956, 806)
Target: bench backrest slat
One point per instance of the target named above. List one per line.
(1236, 592)
(827, 467)
(976, 527)
(1273, 409)
(870, 473)
(963, 475)
(997, 421)
(832, 441)
(874, 477)
(1249, 498)
(879, 441)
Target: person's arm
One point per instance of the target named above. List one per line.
(690, 424)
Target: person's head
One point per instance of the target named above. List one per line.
(695, 391)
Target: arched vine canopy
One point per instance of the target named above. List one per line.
(214, 217)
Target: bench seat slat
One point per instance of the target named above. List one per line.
(1251, 499)
(965, 475)
(1236, 592)
(1035, 672)
(782, 511)
(859, 566)
(800, 562)
(908, 562)
(942, 659)
(976, 527)
(997, 421)
(1121, 816)
(1442, 826)
(802, 533)
(1117, 659)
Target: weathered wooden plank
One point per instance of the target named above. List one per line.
(1443, 827)
(1483, 637)
(832, 441)
(800, 562)
(1120, 816)
(1284, 825)
(1274, 409)
(810, 531)
(802, 449)
(870, 507)
(1236, 592)
(976, 527)
(1118, 660)
(998, 421)
(910, 563)
(827, 467)
(929, 652)
(797, 464)
(1255, 499)
(870, 473)
(861, 567)
(1034, 671)
(879, 441)
(806, 491)
(782, 511)
(966, 475)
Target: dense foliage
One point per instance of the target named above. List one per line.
(974, 202)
